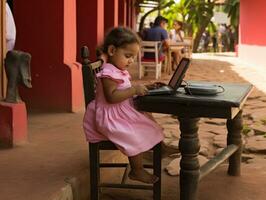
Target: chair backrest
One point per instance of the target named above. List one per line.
(151, 47)
(89, 71)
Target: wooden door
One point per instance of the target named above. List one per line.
(3, 80)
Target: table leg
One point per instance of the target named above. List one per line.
(234, 127)
(189, 165)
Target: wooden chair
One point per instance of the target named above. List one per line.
(88, 73)
(150, 64)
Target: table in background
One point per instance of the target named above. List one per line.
(189, 109)
(175, 46)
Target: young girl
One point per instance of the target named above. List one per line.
(112, 115)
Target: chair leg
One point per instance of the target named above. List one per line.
(140, 72)
(160, 70)
(140, 69)
(94, 171)
(157, 157)
(157, 71)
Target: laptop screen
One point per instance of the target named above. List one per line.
(179, 73)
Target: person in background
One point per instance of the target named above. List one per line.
(10, 29)
(158, 33)
(214, 42)
(144, 31)
(151, 24)
(223, 29)
(232, 39)
(177, 34)
(206, 40)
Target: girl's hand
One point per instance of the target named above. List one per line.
(140, 90)
(155, 85)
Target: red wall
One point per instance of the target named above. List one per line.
(253, 22)
(122, 15)
(52, 33)
(48, 32)
(110, 14)
(90, 25)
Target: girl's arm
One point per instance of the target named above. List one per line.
(113, 95)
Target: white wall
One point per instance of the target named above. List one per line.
(253, 54)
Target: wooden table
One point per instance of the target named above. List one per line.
(189, 109)
(173, 46)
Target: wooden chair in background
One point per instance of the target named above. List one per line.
(147, 64)
(89, 71)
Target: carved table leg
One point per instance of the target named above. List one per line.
(234, 127)
(189, 165)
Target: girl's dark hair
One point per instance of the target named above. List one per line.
(120, 37)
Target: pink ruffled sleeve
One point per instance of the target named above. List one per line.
(109, 71)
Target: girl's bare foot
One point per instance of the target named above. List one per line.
(143, 176)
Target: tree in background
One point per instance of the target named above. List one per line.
(179, 11)
(196, 15)
(232, 8)
(162, 4)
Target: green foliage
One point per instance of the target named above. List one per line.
(232, 9)
(162, 5)
(196, 15)
(192, 12)
(173, 13)
(212, 28)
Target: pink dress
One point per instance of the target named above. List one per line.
(131, 131)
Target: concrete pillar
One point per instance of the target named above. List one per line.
(110, 14)
(122, 12)
(90, 25)
(48, 32)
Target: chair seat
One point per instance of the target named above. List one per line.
(160, 59)
(105, 145)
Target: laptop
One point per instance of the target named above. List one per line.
(175, 81)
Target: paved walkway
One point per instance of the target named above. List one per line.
(56, 150)
(56, 158)
(252, 73)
